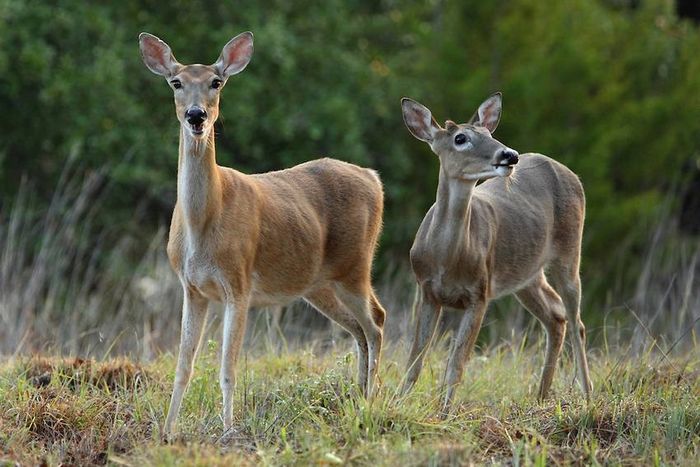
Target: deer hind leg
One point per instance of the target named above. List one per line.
(378, 311)
(274, 333)
(360, 304)
(462, 346)
(234, 326)
(194, 315)
(540, 299)
(427, 314)
(568, 284)
(324, 299)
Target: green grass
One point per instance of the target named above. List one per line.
(302, 408)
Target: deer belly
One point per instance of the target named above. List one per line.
(264, 294)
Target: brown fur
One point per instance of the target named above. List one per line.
(479, 243)
(257, 240)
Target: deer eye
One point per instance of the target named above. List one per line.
(460, 139)
(216, 84)
(176, 83)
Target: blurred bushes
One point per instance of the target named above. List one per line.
(613, 92)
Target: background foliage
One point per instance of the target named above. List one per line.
(88, 151)
(610, 88)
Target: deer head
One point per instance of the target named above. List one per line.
(196, 88)
(467, 151)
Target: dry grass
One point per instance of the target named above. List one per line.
(68, 290)
(72, 411)
(301, 408)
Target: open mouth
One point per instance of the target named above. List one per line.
(197, 129)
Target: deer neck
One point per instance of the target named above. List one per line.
(452, 217)
(199, 194)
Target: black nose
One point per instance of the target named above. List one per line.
(509, 156)
(195, 116)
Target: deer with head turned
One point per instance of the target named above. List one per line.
(259, 240)
(481, 242)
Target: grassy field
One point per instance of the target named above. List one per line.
(302, 408)
(63, 293)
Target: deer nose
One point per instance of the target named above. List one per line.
(195, 116)
(509, 156)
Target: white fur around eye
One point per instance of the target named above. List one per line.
(468, 146)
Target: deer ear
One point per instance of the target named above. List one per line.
(157, 55)
(419, 120)
(489, 113)
(235, 55)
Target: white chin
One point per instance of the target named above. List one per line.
(503, 171)
(197, 133)
(485, 175)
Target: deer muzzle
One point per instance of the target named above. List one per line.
(506, 158)
(196, 116)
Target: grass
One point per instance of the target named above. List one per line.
(67, 290)
(300, 408)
